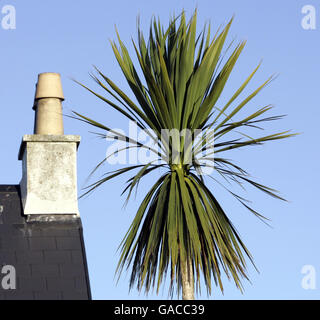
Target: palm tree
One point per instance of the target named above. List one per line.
(180, 226)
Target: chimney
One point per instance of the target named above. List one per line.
(49, 158)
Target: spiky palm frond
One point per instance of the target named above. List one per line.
(179, 219)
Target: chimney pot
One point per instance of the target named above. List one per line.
(47, 104)
(49, 86)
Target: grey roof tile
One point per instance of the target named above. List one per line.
(49, 256)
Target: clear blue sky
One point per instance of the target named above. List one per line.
(70, 36)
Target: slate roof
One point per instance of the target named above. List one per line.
(48, 254)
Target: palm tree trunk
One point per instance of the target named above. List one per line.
(187, 280)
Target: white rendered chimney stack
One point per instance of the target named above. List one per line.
(49, 174)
